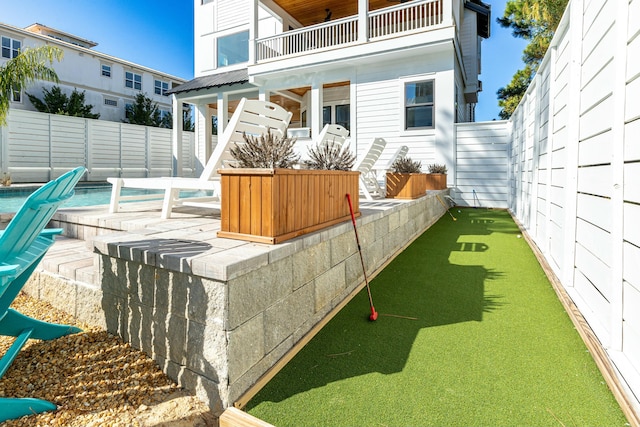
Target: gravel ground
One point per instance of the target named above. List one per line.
(95, 380)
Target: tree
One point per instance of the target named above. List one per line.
(56, 102)
(536, 21)
(19, 72)
(143, 112)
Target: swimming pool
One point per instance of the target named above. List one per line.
(86, 195)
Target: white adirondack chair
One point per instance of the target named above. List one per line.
(368, 181)
(252, 117)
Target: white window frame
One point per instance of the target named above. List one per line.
(13, 52)
(160, 84)
(104, 72)
(403, 108)
(16, 99)
(132, 80)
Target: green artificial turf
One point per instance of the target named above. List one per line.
(492, 345)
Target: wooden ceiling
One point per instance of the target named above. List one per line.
(310, 12)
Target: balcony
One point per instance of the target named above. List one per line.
(403, 19)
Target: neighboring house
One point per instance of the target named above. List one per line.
(109, 83)
(406, 71)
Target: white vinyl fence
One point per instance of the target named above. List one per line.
(482, 151)
(37, 147)
(575, 170)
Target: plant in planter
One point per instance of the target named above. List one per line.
(265, 200)
(406, 181)
(437, 177)
(330, 156)
(265, 151)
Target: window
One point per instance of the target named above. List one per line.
(161, 87)
(10, 47)
(133, 80)
(338, 114)
(233, 49)
(111, 102)
(106, 70)
(418, 105)
(16, 96)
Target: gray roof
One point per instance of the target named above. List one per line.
(213, 80)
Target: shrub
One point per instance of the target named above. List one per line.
(330, 156)
(406, 165)
(437, 168)
(266, 151)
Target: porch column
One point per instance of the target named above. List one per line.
(253, 30)
(223, 114)
(315, 113)
(363, 21)
(176, 135)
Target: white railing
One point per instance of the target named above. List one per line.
(328, 34)
(415, 15)
(404, 18)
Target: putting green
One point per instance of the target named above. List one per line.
(491, 346)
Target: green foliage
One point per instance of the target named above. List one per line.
(56, 102)
(330, 156)
(266, 151)
(536, 21)
(406, 165)
(144, 111)
(28, 66)
(437, 168)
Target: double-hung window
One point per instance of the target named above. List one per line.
(10, 47)
(133, 80)
(106, 70)
(161, 87)
(419, 105)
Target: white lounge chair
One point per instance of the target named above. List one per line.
(252, 117)
(368, 181)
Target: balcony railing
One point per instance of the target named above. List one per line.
(404, 18)
(390, 21)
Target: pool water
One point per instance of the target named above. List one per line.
(85, 195)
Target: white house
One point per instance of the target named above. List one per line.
(406, 72)
(109, 83)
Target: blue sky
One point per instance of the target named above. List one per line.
(159, 34)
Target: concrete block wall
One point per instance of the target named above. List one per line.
(218, 335)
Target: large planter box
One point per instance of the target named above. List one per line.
(436, 181)
(406, 185)
(274, 205)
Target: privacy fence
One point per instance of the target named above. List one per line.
(37, 147)
(575, 170)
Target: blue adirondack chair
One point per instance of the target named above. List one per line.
(22, 245)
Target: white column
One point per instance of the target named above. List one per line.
(223, 114)
(176, 136)
(363, 20)
(315, 112)
(253, 30)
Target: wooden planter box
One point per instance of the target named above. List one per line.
(406, 185)
(274, 205)
(436, 181)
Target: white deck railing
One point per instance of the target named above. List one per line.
(404, 18)
(328, 34)
(393, 20)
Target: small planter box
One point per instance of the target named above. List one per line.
(406, 185)
(274, 205)
(436, 181)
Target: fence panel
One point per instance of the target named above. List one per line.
(37, 147)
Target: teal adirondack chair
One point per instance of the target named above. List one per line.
(22, 245)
